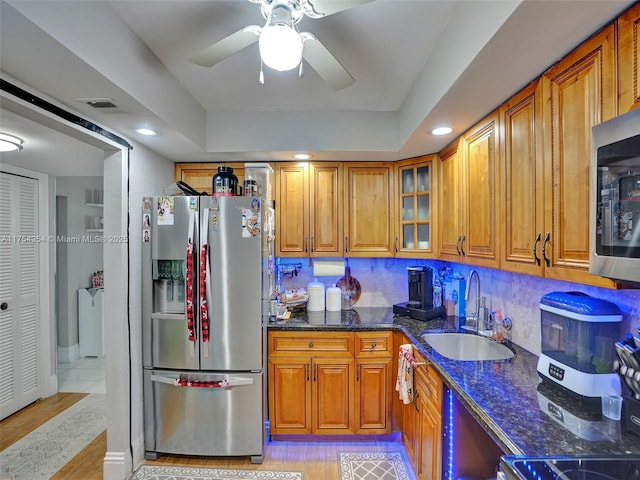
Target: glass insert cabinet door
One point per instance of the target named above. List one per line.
(415, 214)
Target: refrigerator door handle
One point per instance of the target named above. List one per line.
(224, 383)
(190, 313)
(205, 275)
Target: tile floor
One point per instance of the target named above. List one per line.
(84, 375)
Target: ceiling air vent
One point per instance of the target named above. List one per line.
(105, 105)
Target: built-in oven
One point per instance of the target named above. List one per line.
(615, 199)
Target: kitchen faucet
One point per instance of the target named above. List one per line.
(473, 273)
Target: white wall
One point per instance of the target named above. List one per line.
(84, 252)
(150, 175)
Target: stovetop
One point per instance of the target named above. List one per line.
(571, 468)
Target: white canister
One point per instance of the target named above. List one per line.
(316, 296)
(334, 299)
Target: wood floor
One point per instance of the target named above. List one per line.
(318, 460)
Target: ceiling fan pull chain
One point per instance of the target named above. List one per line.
(261, 77)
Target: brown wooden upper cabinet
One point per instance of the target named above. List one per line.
(528, 192)
(468, 196)
(522, 199)
(450, 218)
(577, 93)
(200, 175)
(416, 208)
(309, 199)
(369, 219)
(629, 59)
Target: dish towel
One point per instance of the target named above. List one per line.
(404, 383)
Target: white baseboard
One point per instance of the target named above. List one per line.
(68, 354)
(117, 466)
(50, 387)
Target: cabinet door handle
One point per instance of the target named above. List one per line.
(357, 372)
(313, 244)
(462, 239)
(547, 237)
(415, 401)
(315, 372)
(306, 371)
(306, 244)
(535, 248)
(458, 245)
(346, 244)
(395, 244)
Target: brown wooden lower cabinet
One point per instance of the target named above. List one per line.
(319, 383)
(422, 423)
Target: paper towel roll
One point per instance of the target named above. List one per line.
(328, 268)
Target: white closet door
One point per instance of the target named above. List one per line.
(19, 243)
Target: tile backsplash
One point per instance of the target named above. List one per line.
(384, 283)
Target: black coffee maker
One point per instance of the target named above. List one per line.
(420, 304)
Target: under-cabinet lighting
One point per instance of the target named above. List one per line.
(302, 156)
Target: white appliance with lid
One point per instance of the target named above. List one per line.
(578, 337)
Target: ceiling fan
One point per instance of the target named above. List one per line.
(282, 46)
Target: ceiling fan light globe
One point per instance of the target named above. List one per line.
(280, 47)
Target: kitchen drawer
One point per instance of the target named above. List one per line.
(376, 343)
(315, 344)
(428, 380)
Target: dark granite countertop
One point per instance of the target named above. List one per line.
(506, 397)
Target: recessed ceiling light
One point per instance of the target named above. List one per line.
(10, 143)
(146, 131)
(441, 130)
(302, 156)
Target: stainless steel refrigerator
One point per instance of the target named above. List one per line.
(203, 328)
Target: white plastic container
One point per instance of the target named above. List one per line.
(334, 299)
(316, 296)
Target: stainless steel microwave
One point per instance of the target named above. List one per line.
(615, 199)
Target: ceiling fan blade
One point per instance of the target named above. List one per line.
(227, 46)
(321, 60)
(322, 8)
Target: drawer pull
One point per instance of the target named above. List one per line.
(373, 345)
(310, 344)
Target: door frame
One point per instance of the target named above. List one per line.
(47, 371)
(118, 461)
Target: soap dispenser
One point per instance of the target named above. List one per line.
(483, 316)
(498, 326)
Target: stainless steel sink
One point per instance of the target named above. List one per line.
(467, 347)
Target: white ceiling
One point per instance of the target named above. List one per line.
(49, 151)
(417, 64)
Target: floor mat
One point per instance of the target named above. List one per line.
(49, 447)
(373, 466)
(161, 472)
